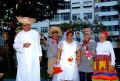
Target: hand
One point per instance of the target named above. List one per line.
(42, 37)
(83, 53)
(26, 45)
(78, 63)
(57, 62)
(40, 58)
(93, 52)
(112, 67)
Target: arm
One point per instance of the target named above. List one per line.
(60, 46)
(18, 44)
(40, 51)
(112, 54)
(78, 57)
(78, 54)
(112, 67)
(43, 39)
(93, 51)
(58, 55)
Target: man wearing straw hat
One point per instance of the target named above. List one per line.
(52, 44)
(28, 51)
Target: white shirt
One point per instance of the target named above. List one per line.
(106, 48)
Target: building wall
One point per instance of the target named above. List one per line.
(106, 10)
(108, 14)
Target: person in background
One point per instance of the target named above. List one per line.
(88, 47)
(68, 58)
(28, 51)
(104, 62)
(44, 60)
(52, 45)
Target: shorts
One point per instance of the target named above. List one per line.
(51, 63)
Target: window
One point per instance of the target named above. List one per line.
(106, 18)
(106, 9)
(116, 27)
(44, 29)
(67, 5)
(75, 16)
(107, 28)
(56, 18)
(104, 0)
(87, 4)
(112, 8)
(113, 17)
(88, 15)
(112, 28)
(65, 16)
(61, 16)
(76, 5)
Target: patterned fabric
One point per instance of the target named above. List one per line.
(102, 70)
(85, 43)
(102, 62)
(86, 65)
(57, 40)
(104, 80)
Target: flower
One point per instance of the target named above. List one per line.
(70, 59)
(52, 42)
(57, 70)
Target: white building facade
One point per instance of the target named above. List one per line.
(109, 14)
(106, 10)
(73, 9)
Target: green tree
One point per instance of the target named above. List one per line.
(76, 25)
(97, 25)
(39, 9)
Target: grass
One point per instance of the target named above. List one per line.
(10, 73)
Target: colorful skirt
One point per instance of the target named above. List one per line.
(102, 70)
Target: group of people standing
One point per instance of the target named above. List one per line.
(79, 61)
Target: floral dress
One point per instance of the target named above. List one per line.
(68, 62)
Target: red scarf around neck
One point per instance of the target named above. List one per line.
(55, 39)
(85, 43)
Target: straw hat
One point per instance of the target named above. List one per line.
(55, 29)
(87, 30)
(25, 20)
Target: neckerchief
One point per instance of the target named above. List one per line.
(85, 43)
(55, 39)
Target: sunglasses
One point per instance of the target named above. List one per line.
(54, 32)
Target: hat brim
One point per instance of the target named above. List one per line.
(26, 20)
(89, 33)
(87, 30)
(55, 29)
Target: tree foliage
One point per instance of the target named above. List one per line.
(76, 25)
(39, 9)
